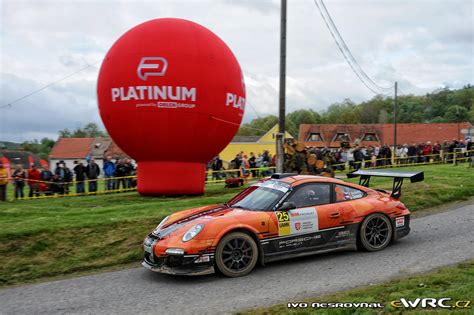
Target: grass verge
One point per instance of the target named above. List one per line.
(49, 237)
(455, 282)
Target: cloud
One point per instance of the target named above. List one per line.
(421, 44)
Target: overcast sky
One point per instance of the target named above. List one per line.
(422, 44)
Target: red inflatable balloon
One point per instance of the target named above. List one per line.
(171, 95)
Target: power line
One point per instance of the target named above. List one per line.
(343, 48)
(253, 108)
(349, 51)
(48, 85)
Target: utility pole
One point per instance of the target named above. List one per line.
(280, 137)
(395, 112)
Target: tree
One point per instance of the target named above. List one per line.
(65, 133)
(90, 130)
(40, 148)
(258, 126)
(298, 117)
(442, 105)
(471, 114)
(456, 113)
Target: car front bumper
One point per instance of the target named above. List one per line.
(177, 264)
(181, 264)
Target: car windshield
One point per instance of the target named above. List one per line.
(259, 197)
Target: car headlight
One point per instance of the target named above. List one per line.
(192, 232)
(157, 229)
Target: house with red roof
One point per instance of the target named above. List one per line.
(331, 135)
(70, 150)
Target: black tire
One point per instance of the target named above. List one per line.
(236, 254)
(375, 232)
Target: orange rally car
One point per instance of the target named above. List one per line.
(284, 216)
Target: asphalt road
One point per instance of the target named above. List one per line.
(436, 240)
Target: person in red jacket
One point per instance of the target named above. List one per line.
(34, 177)
(427, 151)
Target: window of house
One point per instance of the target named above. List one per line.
(370, 137)
(344, 193)
(342, 137)
(311, 195)
(315, 137)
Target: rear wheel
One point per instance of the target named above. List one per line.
(236, 254)
(375, 232)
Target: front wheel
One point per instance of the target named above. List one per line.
(375, 232)
(236, 254)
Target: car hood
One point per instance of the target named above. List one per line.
(183, 220)
(195, 213)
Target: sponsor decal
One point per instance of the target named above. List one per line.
(297, 241)
(166, 96)
(283, 223)
(297, 221)
(152, 66)
(274, 184)
(343, 234)
(235, 101)
(399, 222)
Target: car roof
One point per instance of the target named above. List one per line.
(302, 179)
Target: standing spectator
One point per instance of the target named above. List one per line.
(63, 178)
(388, 155)
(57, 186)
(344, 158)
(470, 152)
(92, 173)
(46, 176)
(419, 153)
(427, 150)
(68, 177)
(253, 164)
(398, 154)
(451, 150)
(109, 172)
(34, 178)
(244, 166)
(436, 151)
(129, 171)
(80, 173)
(120, 172)
(3, 182)
(235, 164)
(358, 158)
(19, 176)
(412, 153)
(216, 167)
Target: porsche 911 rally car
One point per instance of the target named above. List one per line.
(286, 215)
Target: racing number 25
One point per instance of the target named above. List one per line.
(283, 216)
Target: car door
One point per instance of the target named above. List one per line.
(344, 198)
(299, 228)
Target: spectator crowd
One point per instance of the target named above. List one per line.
(42, 181)
(327, 160)
(120, 174)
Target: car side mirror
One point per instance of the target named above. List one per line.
(287, 205)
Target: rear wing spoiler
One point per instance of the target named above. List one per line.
(397, 176)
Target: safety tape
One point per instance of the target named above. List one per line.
(101, 192)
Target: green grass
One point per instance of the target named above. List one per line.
(49, 237)
(455, 282)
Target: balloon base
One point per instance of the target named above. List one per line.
(170, 178)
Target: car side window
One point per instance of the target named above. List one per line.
(344, 193)
(311, 195)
